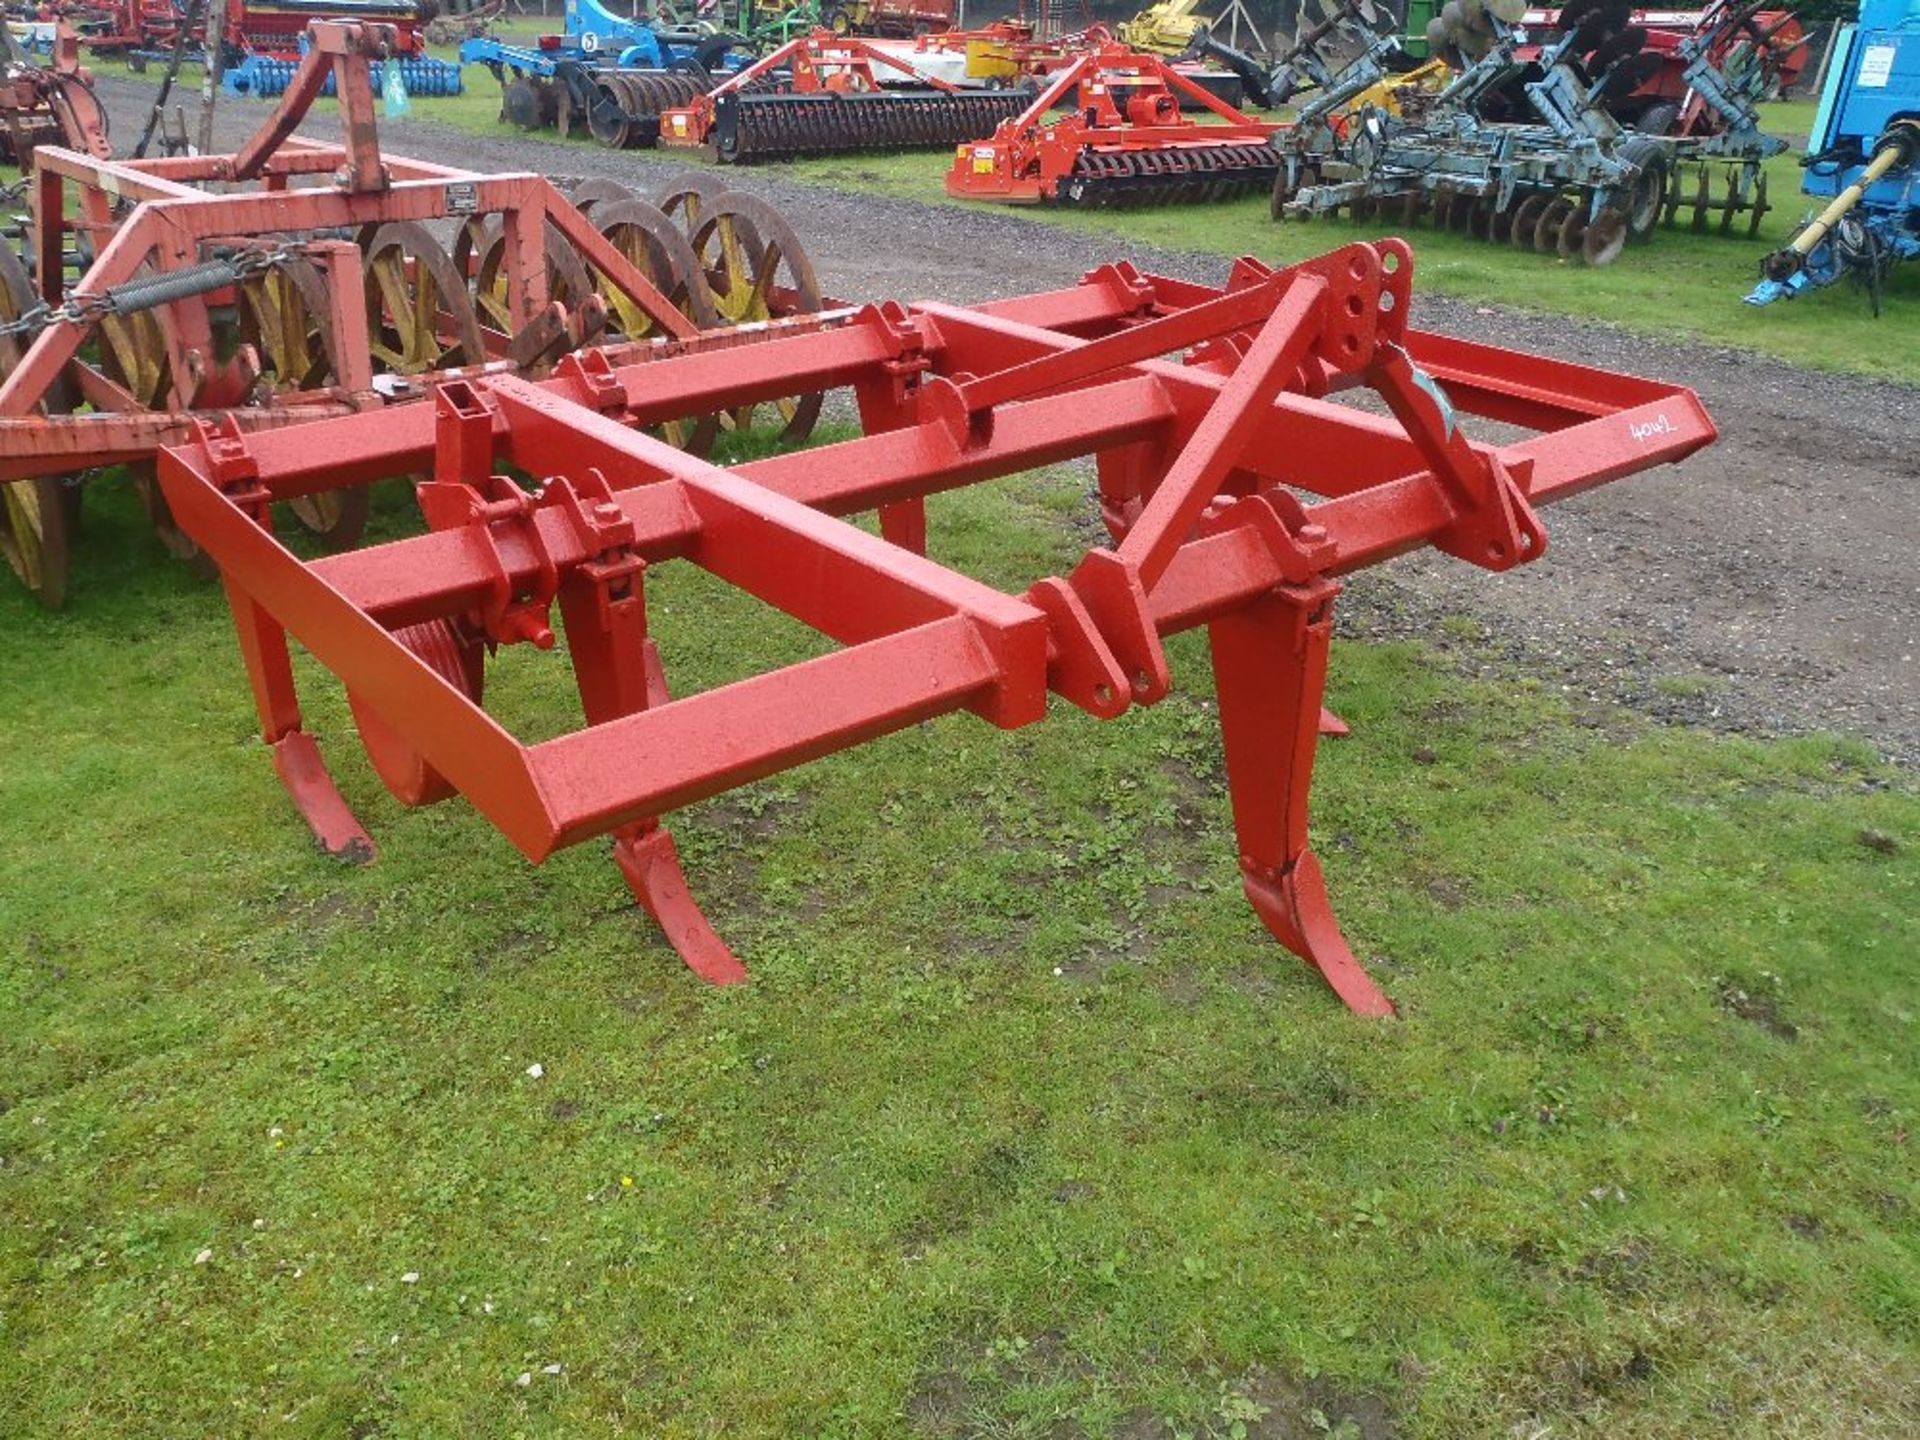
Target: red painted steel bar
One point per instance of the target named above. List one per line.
(1195, 457)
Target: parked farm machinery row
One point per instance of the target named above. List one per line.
(1771, 42)
(1354, 45)
(1237, 490)
(1532, 153)
(815, 93)
(261, 76)
(619, 105)
(288, 300)
(818, 93)
(1776, 40)
(1864, 159)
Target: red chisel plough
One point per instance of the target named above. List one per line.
(1202, 460)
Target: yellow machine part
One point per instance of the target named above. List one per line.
(858, 16)
(1164, 29)
(1432, 77)
(987, 58)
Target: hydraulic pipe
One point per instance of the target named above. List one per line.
(1899, 145)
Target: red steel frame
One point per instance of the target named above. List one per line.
(42, 104)
(1201, 460)
(175, 223)
(263, 28)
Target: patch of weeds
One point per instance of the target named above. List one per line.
(1688, 687)
(1268, 1404)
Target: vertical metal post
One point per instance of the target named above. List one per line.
(195, 12)
(216, 66)
(1826, 57)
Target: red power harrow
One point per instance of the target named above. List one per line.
(821, 94)
(1123, 142)
(1201, 463)
(319, 289)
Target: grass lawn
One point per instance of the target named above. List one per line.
(1023, 1127)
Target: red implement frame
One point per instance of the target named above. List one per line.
(51, 104)
(176, 224)
(266, 28)
(819, 61)
(1201, 464)
(1776, 38)
(1126, 101)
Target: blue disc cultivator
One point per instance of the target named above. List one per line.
(611, 74)
(1530, 152)
(265, 77)
(265, 41)
(1863, 155)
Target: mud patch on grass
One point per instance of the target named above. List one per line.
(1313, 1409)
(511, 949)
(1265, 1404)
(1757, 1001)
(941, 1404)
(1181, 985)
(1629, 1268)
(967, 1398)
(968, 1192)
(46, 969)
(1574, 1376)
(1879, 841)
(1449, 892)
(324, 912)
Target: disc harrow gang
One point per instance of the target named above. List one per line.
(623, 107)
(1587, 224)
(1236, 491)
(1529, 146)
(251, 304)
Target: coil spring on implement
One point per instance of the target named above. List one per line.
(148, 292)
